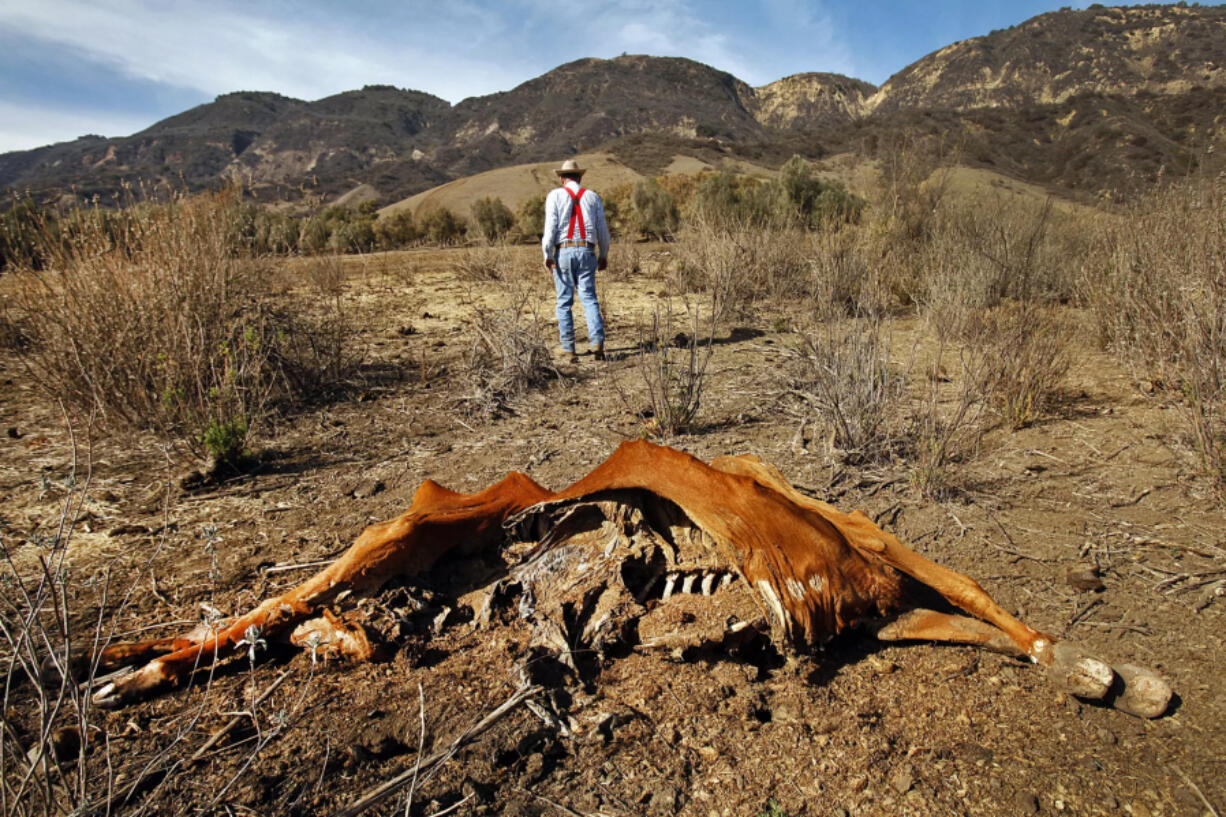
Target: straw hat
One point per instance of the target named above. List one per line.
(569, 167)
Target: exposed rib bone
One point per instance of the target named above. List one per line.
(668, 586)
(707, 581)
(687, 584)
(767, 592)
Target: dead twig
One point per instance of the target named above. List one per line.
(281, 568)
(229, 726)
(1124, 503)
(435, 761)
(1196, 790)
(554, 803)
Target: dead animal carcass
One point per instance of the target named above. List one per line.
(654, 548)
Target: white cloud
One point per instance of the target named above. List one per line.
(220, 47)
(27, 126)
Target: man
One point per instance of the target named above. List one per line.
(576, 244)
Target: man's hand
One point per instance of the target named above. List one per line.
(549, 264)
(602, 264)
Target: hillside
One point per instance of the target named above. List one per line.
(1096, 101)
(1056, 56)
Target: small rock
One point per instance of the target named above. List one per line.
(1084, 578)
(902, 779)
(368, 489)
(882, 666)
(1026, 802)
(663, 802)
(1107, 736)
(13, 433)
(1139, 809)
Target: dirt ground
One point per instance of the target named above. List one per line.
(859, 729)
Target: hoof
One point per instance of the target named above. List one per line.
(130, 688)
(1078, 673)
(1141, 692)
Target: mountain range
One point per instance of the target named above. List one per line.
(1091, 102)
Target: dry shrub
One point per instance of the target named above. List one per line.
(172, 329)
(1026, 360)
(739, 265)
(59, 753)
(1157, 289)
(672, 367)
(484, 263)
(843, 374)
(947, 421)
(510, 352)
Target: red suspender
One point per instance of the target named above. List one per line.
(576, 212)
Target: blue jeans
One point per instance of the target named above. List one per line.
(576, 270)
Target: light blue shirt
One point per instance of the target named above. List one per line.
(557, 220)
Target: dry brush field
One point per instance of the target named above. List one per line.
(956, 389)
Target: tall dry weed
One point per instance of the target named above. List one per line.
(1157, 290)
(738, 265)
(672, 369)
(510, 354)
(844, 375)
(169, 328)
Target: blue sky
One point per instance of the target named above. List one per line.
(113, 67)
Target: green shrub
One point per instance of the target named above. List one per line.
(655, 213)
(530, 217)
(491, 218)
(440, 226)
(395, 230)
(224, 440)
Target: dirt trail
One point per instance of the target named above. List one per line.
(861, 729)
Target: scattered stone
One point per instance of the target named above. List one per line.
(13, 433)
(368, 489)
(882, 666)
(664, 801)
(902, 779)
(1107, 736)
(406, 330)
(1026, 802)
(1084, 578)
(1139, 809)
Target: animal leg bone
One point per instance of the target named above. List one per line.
(437, 521)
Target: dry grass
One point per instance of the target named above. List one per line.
(510, 354)
(171, 328)
(672, 371)
(844, 377)
(1157, 289)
